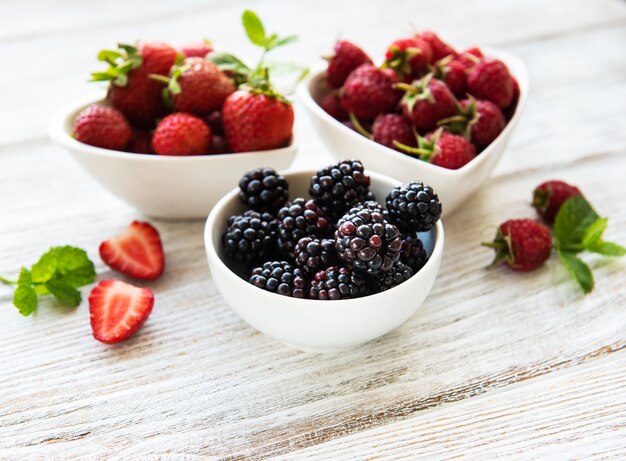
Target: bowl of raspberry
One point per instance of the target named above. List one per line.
(326, 260)
(428, 111)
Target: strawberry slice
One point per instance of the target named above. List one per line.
(117, 310)
(137, 252)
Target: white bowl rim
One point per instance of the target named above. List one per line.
(59, 134)
(308, 303)
(304, 94)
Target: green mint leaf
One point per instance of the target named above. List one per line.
(285, 41)
(64, 292)
(607, 248)
(44, 269)
(593, 233)
(74, 266)
(254, 28)
(572, 221)
(577, 269)
(25, 298)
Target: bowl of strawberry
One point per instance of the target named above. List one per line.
(325, 260)
(178, 126)
(428, 111)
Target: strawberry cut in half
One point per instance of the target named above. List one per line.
(137, 253)
(117, 310)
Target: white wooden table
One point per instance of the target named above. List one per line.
(495, 364)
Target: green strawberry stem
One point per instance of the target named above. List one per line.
(411, 150)
(359, 127)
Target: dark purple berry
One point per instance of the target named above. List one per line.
(413, 253)
(313, 254)
(263, 189)
(280, 277)
(338, 283)
(399, 273)
(250, 236)
(413, 207)
(300, 218)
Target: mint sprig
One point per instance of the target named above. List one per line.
(59, 272)
(579, 228)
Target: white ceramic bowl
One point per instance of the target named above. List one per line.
(313, 325)
(452, 186)
(163, 186)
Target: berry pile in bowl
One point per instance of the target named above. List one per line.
(325, 260)
(426, 110)
(179, 125)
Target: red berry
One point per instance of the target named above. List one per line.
(427, 101)
(203, 87)
(470, 57)
(451, 151)
(522, 244)
(256, 121)
(117, 310)
(368, 91)
(181, 134)
(549, 196)
(510, 110)
(345, 59)
(453, 74)
(480, 121)
(440, 49)
(409, 57)
(140, 98)
(388, 128)
(332, 106)
(490, 80)
(102, 126)
(137, 252)
(197, 49)
(141, 142)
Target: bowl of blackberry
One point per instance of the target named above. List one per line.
(325, 260)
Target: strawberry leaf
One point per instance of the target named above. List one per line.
(577, 269)
(572, 221)
(607, 249)
(254, 28)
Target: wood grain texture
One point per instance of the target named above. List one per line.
(198, 383)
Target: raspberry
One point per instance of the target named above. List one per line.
(549, 196)
(263, 189)
(280, 277)
(413, 253)
(452, 73)
(440, 49)
(427, 101)
(336, 188)
(490, 80)
(388, 128)
(347, 57)
(332, 106)
(367, 241)
(368, 91)
(413, 207)
(399, 273)
(338, 283)
(521, 244)
(313, 254)
(300, 218)
(250, 236)
(408, 57)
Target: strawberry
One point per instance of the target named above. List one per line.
(390, 128)
(257, 119)
(442, 149)
(470, 57)
(141, 142)
(521, 244)
(196, 86)
(347, 57)
(478, 121)
(368, 91)
(131, 91)
(196, 49)
(490, 80)
(332, 106)
(102, 126)
(440, 49)
(427, 101)
(117, 310)
(452, 73)
(181, 134)
(409, 57)
(548, 197)
(137, 253)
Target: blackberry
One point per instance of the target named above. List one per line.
(280, 277)
(367, 241)
(399, 273)
(413, 207)
(337, 187)
(370, 205)
(263, 189)
(313, 254)
(300, 218)
(413, 253)
(250, 236)
(338, 283)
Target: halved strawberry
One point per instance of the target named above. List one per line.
(137, 252)
(118, 309)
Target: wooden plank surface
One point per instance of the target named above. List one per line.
(197, 382)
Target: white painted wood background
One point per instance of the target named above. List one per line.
(494, 364)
